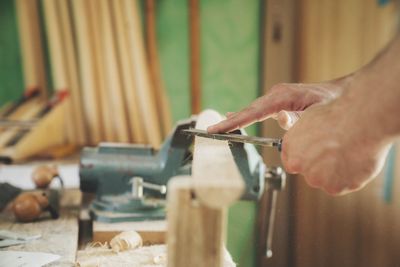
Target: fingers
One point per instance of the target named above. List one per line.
(259, 110)
(286, 119)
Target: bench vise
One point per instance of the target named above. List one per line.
(130, 181)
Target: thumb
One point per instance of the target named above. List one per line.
(286, 119)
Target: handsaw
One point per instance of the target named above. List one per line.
(237, 138)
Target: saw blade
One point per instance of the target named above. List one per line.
(237, 138)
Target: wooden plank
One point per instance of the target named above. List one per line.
(135, 118)
(217, 180)
(363, 28)
(70, 56)
(277, 46)
(113, 74)
(146, 100)
(195, 57)
(96, 22)
(163, 107)
(196, 232)
(59, 62)
(58, 236)
(87, 67)
(31, 46)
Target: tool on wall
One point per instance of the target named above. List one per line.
(47, 121)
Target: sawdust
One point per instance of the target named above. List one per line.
(99, 255)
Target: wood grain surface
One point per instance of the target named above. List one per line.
(196, 232)
(136, 122)
(217, 180)
(31, 45)
(58, 236)
(87, 67)
(147, 103)
(156, 79)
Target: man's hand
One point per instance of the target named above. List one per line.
(330, 147)
(294, 98)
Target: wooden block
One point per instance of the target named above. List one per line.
(196, 232)
(217, 180)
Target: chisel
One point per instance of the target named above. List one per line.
(237, 138)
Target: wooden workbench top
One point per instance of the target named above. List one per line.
(58, 236)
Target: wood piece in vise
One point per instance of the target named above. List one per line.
(217, 179)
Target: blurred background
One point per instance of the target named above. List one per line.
(131, 69)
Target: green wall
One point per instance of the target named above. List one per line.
(230, 45)
(11, 80)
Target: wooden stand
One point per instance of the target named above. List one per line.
(196, 232)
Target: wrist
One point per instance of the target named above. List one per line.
(372, 106)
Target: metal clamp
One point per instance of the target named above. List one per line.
(275, 180)
(138, 184)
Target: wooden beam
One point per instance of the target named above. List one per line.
(146, 100)
(135, 118)
(195, 55)
(59, 63)
(113, 73)
(70, 56)
(163, 107)
(31, 45)
(87, 62)
(277, 66)
(96, 22)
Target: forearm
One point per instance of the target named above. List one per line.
(375, 94)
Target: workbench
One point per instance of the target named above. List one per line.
(58, 236)
(61, 236)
